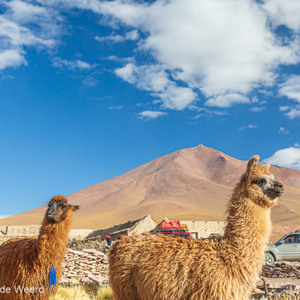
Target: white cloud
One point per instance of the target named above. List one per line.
(127, 73)
(215, 46)
(257, 108)
(24, 12)
(283, 130)
(249, 126)
(4, 77)
(284, 108)
(71, 64)
(294, 112)
(150, 114)
(120, 59)
(289, 158)
(285, 12)
(11, 58)
(214, 58)
(204, 112)
(90, 81)
(155, 79)
(25, 25)
(176, 97)
(252, 126)
(224, 49)
(129, 36)
(291, 87)
(110, 38)
(115, 107)
(227, 100)
(14, 35)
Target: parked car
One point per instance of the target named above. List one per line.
(287, 248)
(174, 228)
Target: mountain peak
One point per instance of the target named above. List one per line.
(192, 183)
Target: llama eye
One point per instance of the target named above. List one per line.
(259, 181)
(63, 207)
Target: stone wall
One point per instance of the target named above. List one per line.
(282, 270)
(21, 231)
(91, 266)
(86, 266)
(9, 232)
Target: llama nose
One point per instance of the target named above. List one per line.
(278, 185)
(51, 210)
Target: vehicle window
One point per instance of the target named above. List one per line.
(290, 239)
(297, 238)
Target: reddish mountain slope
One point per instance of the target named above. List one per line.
(192, 183)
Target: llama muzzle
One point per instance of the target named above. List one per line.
(276, 191)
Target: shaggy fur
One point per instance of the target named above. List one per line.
(25, 262)
(158, 267)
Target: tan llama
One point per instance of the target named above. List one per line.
(25, 263)
(158, 267)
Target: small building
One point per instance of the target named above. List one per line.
(204, 229)
(201, 229)
(139, 226)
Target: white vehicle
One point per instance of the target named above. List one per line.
(287, 248)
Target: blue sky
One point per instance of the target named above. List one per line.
(90, 89)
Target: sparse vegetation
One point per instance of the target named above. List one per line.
(83, 292)
(94, 292)
(288, 295)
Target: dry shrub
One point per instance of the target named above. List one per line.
(105, 293)
(287, 295)
(73, 293)
(83, 292)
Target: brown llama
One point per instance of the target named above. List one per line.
(25, 263)
(158, 267)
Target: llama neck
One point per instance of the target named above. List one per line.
(247, 231)
(53, 239)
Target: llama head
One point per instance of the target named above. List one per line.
(261, 186)
(59, 209)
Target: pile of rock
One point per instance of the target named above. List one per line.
(282, 270)
(278, 286)
(86, 266)
(276, 290)
(91, 243)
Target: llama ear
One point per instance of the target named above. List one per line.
(266, 166)
(74, 207)
(251, 164)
